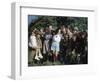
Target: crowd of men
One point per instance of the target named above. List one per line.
(66, 44)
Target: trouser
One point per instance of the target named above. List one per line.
(46, 47)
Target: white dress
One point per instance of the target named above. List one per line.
(32, 41)
(56, 43)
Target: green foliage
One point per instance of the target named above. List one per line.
(56, 21)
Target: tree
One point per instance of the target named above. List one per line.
(57, 21)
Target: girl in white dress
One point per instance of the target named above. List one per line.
(35, 48)
(55, 46)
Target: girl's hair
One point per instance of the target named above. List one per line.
(57, 30)
(53, 32)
